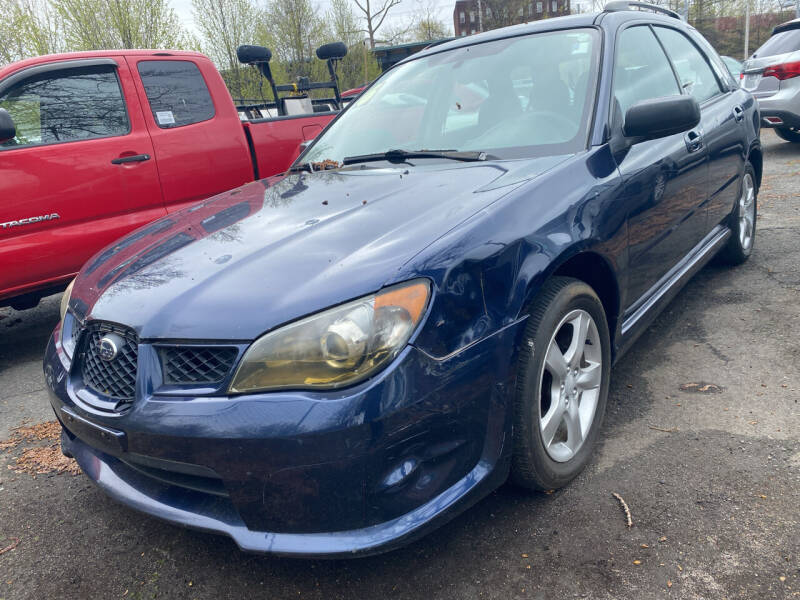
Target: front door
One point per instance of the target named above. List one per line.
(79, 174)
(664, 180)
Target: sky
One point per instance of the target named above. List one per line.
(399, 14)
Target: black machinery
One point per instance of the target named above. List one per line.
(298, 101)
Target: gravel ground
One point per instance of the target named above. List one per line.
(712, 477)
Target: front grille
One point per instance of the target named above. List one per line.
(114, 378)
(196, 365)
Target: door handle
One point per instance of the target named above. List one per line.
(738, 114)
(129, 159)
(694, 141)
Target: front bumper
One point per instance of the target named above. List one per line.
(355, 471)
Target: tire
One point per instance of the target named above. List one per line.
(550, 446)
(743, 221)
(790, 135)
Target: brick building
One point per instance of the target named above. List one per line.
(467, 21)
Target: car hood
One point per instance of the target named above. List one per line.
(271, 251)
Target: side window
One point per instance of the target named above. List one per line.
(695, 73)
(642, 70)
(66, 106)
(176, 91)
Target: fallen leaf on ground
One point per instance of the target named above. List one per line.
(14, 543)
(637, 562)
(43, 460)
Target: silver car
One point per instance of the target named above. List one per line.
(772, 74)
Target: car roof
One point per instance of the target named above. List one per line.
(51, 58)
(793, 24)
(567, 22)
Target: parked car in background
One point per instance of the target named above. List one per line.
(338, 359)
(96, 144)
(772, 74)
(734, 66)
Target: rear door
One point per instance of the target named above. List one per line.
(198, 139)
(721, 122)
(665, 180)
(79, 174)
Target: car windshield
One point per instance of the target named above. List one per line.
(780, 43)
(510, 98)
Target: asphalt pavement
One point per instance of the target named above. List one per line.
(701, 440)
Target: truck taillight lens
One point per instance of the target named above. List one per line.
(783, 71)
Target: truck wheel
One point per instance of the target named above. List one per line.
(562, 385)
(790, 135)
(743, 221)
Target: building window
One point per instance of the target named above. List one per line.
(538, 7)
(488, 13)
(472, 32)
(461, 18)
(463, 32)
(554, 6)
(471, 16)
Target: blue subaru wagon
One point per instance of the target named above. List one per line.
(339, 359)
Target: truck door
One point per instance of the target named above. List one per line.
(79, 174)
(197, 135)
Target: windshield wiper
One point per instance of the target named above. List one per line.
(399, 156)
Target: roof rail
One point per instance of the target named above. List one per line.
(619, 5)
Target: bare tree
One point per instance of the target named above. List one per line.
(359, 66)
(374, 18)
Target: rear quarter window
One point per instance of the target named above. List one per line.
(177, 93)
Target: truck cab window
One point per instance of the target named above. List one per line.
(176, 91)
(66, 106)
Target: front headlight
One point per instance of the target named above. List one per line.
(336, 347)
(65, 299)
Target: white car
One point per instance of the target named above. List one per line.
(772, 74)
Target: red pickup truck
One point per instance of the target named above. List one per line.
(95, 144)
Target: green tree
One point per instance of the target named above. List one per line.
(30, 28)
(103, 24)
(298, 30)
(225, 25)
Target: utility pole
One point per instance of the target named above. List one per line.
(746, 28)
(480, 16)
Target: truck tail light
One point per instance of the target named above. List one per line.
(783, 71)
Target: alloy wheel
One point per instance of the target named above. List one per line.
(747, 212)
(570, 385)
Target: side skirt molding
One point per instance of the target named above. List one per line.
(644, 310)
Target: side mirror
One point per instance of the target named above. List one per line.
(661, 117)
(7, 128)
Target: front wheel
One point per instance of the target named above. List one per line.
(790, 135)
(743, 225)
(562, 386)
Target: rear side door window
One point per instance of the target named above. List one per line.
(176, 91)
(66, 106)
(694, 72)
(642, 70)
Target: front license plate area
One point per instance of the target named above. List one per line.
(111, 441)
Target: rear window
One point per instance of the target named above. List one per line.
(176, 91)
(780, 43)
